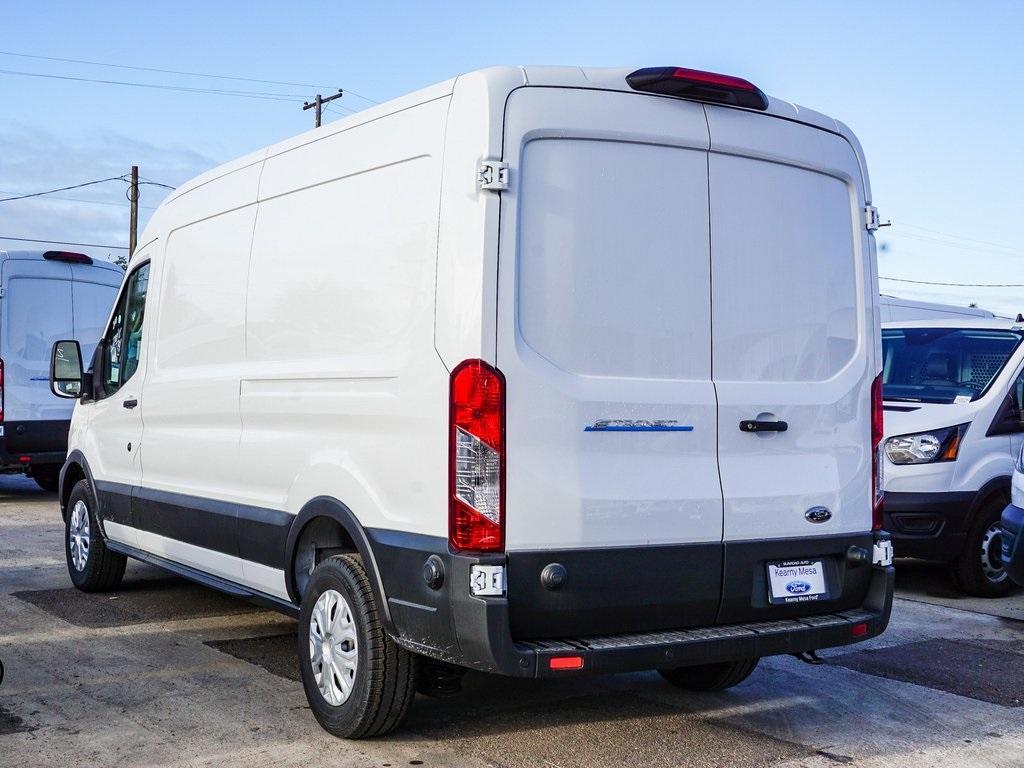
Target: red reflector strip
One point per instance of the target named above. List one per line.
(565, 662)
(859, 630)
(24, 459)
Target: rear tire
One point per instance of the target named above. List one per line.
(710, 677)
(979, 569)
(358, 682)
(93, 567)
(47, 476)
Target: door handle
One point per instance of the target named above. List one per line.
(129, 404)
(753, 425)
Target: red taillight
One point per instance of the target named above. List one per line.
(699, 85)
(877, 495)
(476, 458)
(565, 662)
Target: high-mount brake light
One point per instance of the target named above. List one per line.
(698, 85)
(68, 256)
(877, 494)
(476, 458)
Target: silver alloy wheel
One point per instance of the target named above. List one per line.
(78, 535)
(991, 554)
(333, 649)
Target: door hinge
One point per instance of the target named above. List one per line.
(3, 292)
(871, 219)
(493, 175)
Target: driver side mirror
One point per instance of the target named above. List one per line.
(66, 369)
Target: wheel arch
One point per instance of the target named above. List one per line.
(997, 486)
(75, 469)
(313, 514)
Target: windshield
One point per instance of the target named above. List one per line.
(943, 365)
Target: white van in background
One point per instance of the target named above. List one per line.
(953, 392)
(896, 309)
(469, 380)
(44, 296)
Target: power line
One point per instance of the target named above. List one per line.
(63, 242)
(173, 72)
(176, 72)
(83, 200)
(265, 96)
(61, 189)
(953, 285)
(959, 237)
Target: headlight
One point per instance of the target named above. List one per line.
(926, 447)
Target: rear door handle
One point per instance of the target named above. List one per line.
(129, 404)
(753, 425)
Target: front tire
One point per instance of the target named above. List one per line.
(710, 677)
(93, 567)
(979, 570)
(358, 682)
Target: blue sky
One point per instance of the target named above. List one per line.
(931, 88)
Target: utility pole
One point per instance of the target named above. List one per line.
(318, 103)
(133, 225)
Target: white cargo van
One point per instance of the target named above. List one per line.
(896, 309)
(44, 296)
(539, 371)
(953, 391)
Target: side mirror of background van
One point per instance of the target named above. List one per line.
(66, 369)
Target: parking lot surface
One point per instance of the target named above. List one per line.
(164, 672)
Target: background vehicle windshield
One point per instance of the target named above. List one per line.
(939, 365)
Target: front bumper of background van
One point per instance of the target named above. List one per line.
(454, 626)
(932, 526)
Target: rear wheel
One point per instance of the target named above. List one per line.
(358, 682)
(47, 476)
(710, 677)
(93, 567)
(979, 569)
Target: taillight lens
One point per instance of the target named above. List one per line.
(476, 463)
(877, 495)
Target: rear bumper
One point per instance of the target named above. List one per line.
(932, 526)
(452, 625)
(1013, 543)
(40, 442)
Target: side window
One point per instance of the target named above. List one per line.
(123, 340)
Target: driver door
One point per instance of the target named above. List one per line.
(115, 430)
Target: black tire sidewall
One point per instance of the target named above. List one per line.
(85, 578)
(970, 574)
(346, 718)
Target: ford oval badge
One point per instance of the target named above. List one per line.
(798, 587)
(817, 515)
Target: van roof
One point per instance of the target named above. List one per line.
(976, 323)
(499, 82)
(37, 255)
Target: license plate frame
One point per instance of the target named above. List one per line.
(796, 581)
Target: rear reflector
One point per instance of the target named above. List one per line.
(69, 256)
(859, 630)
(25, 459)
(698, 85)
(565, 662)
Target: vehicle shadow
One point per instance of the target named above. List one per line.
(17, 487)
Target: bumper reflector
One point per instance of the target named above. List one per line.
(859, 630)
(565, 662)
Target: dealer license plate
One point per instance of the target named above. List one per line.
(796, 581)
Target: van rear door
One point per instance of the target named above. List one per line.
(793, 328)
(603, 337)
(36, 312)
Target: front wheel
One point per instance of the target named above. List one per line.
(979, 570)
(92, 567)
(358, 682)
(710, 677)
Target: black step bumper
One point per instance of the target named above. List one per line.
(450, 624)
(34, 442)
